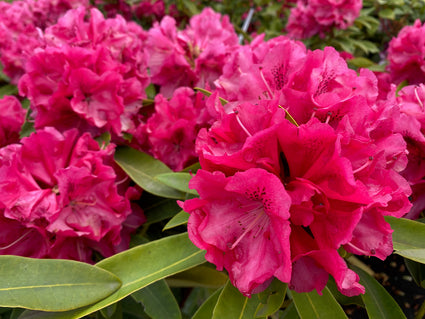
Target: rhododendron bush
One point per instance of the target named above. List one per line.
(195, 159)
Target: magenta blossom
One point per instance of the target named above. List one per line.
(242, 222)
(61, 191)
(311, 17)
(11, 120)
(406, 54)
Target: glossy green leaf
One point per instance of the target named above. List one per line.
(157, 208)
(205, 311)
(52, 285)
(8, 89)
(290, 312)
(378, 302)
(179, 181)
(200, 276)
(143, 169)
(271, 299)
(343, 299)
(231, 304)
(408, 238)
(178, 220)
(417, 270)
(312, 305)
(158, 301)
(139, 267)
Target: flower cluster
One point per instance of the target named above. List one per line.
(91, 74)
(20, 25)
(60, 198)
(311, 17)
(406, 54)
(282, 194)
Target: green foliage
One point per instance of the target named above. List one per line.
(137, 268)
(143, 169)
(52, 285)
(379, 304)
(313, 305)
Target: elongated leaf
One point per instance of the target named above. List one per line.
(408, 238)
(231, 304)
(139, 267)
(207, 308)
(290, 313)
(179, 181)
(417, 270)
(179, 219)
(379, 303)
(271, 299)
(312, 305)
(158, 300)
(52, 285)
(157, 208)
(8, 89)
(143, 168)
(200, 276)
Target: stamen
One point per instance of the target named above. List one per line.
(253, 223)
(267, 85)
(419, 100)
(328, 117)
(16, 241)
(240, 123)
(364, 165)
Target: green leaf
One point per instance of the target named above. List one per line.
(378, 302)
(200, 276)
(231, 304)
(179, 181)
(205, 311)
(158, 300)
(290, 313)
(408, 238)
(52, 284)
(139, 267)
(272, 298)
(417, 270)
(387, 14)
(143, 168)
(208, 93)
(8, 89)
(343, 299)
(178, 220)
(312, 305)
(157, 209)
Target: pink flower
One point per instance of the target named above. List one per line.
(21, 28)
(242, 222)
(91, 75)
(62, 191)
(311, 17)
(406, 54)
(170, 132)
(11, 120)
(192, 57)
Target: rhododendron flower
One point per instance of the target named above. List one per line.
(21, 23)
(406, 54)
(93, 80)
(170, 132)
(242, 222)
(340, 167)
(191, 57)
(411, 125)
(311, 17)
(60, 190)
(12, 117)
